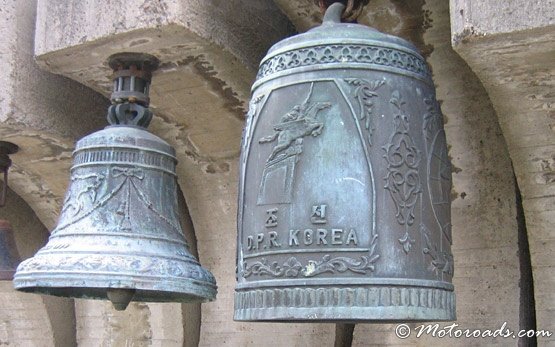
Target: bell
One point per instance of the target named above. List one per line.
(118, 236)
(344, 196)
(9, 257)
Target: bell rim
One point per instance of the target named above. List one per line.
(345, 303)
(181, 288)
(141, 295)
(54, 272)
(357, 282)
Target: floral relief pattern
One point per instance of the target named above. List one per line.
(116, 264)
(346, 53)
(402, 179)
(129, 182)
(441, 261)
(293, 267)
(364, 92)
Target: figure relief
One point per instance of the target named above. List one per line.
(301, 121)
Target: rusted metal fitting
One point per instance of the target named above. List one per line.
(353, 8)
(6, 148)
(132, 76)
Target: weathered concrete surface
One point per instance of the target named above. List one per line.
(39, 112)
(470, 18)
(511, 47)
(23, 319)
(243, 28)
(50, 319)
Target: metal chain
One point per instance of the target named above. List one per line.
(353, 8)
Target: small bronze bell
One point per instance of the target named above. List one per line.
(9, 257)
(344, 193)
(118, 235)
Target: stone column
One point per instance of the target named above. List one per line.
(510, 46)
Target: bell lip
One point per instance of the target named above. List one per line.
(362, 304)
(365, 282)
(53, 271)
(141, 295)
(183, 289)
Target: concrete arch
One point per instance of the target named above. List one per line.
(29, 319)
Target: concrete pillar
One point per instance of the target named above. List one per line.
(510, 46)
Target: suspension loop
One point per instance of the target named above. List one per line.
(353, 8)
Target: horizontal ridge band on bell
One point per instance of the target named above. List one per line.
(352, 281)
(123, 271)
(371, 304)
(350, 54)
(115, 146)
(60, 234)
(136, 158)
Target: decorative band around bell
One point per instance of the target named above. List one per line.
(349, 55)
(361, 303)
(179, 277)
(138, 157)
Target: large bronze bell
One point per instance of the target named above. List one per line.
(119, 235)
(344, 198)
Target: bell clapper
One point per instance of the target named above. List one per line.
(120, 297)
